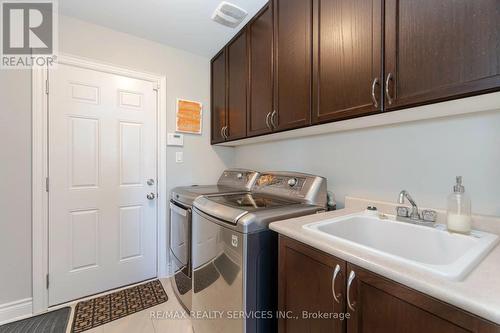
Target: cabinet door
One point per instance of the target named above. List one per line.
(237, 79)
(306, 283)
(438, 50)
(260, 35)
(293, 50)
(218, 91)
(347, 59)
(378, 305)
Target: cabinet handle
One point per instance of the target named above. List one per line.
(267, 121)
(222, 132)
(387, 92)
(336, 296)
(226, 135)
(273, 124)
(352, 305)
(374, 97)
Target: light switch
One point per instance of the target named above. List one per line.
(179, 157)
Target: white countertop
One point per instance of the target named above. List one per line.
(478, 293)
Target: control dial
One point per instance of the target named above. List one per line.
(292, 182)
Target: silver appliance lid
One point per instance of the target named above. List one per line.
(275, 196)
(251, 202)
(245, 221)
(230, 181)
(187, 194)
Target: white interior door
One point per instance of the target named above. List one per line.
(102, 152)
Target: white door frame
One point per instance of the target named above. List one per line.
(40, 223)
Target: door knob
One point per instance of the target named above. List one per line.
(151, 196)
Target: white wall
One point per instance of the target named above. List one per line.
(15, 185)
(187, 77)
(422, 157)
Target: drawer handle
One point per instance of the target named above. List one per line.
(352, 305)
(387, 92)
(267, 120)
(273, 124)
(374, 97)
(336, 296)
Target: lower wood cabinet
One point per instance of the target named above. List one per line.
(309, 279)
(306, 284)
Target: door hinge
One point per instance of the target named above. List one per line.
(156, 86)
(47, 86)
(47, 281)
(46, 184)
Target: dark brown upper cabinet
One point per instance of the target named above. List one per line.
(307, 280)
(303, 62)
(347, 59)
(292, 63)
(439, 50)
(237, 79)
(218, 97)
(260, 51)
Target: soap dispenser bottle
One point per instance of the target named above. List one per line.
(459, 209)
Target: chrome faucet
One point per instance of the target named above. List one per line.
(414, 214)
(403, 214)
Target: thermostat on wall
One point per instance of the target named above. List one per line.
(175, 139)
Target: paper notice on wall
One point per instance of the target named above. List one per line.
(189, 117)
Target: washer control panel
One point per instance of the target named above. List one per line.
(293, 185)
(238, 178)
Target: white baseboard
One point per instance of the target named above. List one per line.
(15, 310)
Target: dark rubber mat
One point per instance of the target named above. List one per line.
(101, 310)
(50, 322)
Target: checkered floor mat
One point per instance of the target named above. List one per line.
(101, 310)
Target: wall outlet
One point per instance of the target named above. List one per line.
(179, 157)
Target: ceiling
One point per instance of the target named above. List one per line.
(183, 24)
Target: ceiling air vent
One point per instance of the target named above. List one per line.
(229, 15)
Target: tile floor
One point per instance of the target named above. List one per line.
(142, 322)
